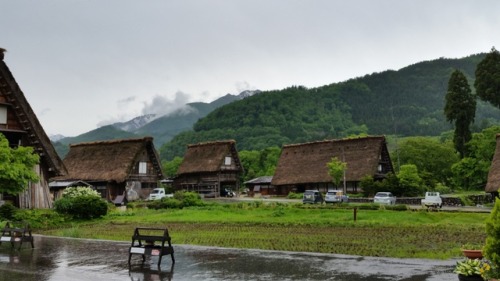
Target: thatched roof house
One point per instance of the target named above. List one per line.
(20, 126)
(303, 166)
(209, 166)
(493, 184)
(115, 166)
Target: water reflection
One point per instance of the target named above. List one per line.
(58, 259)
(146, 273)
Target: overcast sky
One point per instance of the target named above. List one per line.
(86, 63)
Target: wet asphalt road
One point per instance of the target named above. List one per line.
(61, 259)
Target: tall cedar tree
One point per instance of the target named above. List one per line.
(460, 108)
(487, 82)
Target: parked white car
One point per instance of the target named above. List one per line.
(384, 198)
(432, 200)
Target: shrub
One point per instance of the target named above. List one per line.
(188, 198)
(442, 189)
(80, 191)
(82, 206)
(40, 218)
(7, 211)
(166, 203)
(492, 248)
(293, 195)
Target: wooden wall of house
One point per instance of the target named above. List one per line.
(37, 195)
(12, 123)
(231, 166)
(114, 189)
(150, 178)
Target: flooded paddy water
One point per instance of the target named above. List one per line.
(61, 259)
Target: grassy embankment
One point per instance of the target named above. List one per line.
(293, 227)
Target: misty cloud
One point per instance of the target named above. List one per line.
(161, 105)
(126, 101)
(244, 86)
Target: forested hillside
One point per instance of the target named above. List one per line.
(162, 129)
(407, 102)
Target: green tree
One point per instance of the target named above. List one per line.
(409, 181)
(432, 157)
(170, 167)
(487, 82)
(472, 172)
(16, 167)
(336, 169)
(258, 163)
(460, 109)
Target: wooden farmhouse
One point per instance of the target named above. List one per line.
(209, 167)
(303, 166)
(260, 186)
(493, 183)
(129, 167)
(21, 127)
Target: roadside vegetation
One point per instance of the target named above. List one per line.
(393, 231)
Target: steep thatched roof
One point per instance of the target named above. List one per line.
(493, 184)
(209, 157)
(306, 163)
(36, 136)
(107, 160)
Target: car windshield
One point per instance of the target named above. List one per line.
(382, 195)
(155, 191)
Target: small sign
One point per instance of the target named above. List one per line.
(155, 252)
(5, 239)
(137, 250)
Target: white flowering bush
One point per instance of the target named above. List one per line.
(77, 191)
(81, 203)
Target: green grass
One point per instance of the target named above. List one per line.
(294, 227)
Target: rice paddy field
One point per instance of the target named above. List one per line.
(294, 227)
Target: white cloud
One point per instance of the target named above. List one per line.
(161, 105)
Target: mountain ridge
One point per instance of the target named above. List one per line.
(150, 124)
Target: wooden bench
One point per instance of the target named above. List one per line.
(13, 234)
(144, 243)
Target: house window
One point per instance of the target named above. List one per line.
(143, 167)
(380, 168)
(227, 161)
(3, 114)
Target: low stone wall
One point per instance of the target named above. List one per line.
(447, 201)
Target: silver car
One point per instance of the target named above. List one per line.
(335, 196)
(384, 198)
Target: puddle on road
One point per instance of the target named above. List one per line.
(61, 259)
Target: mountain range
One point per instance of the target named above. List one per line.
(161, 128)
(404, 102)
